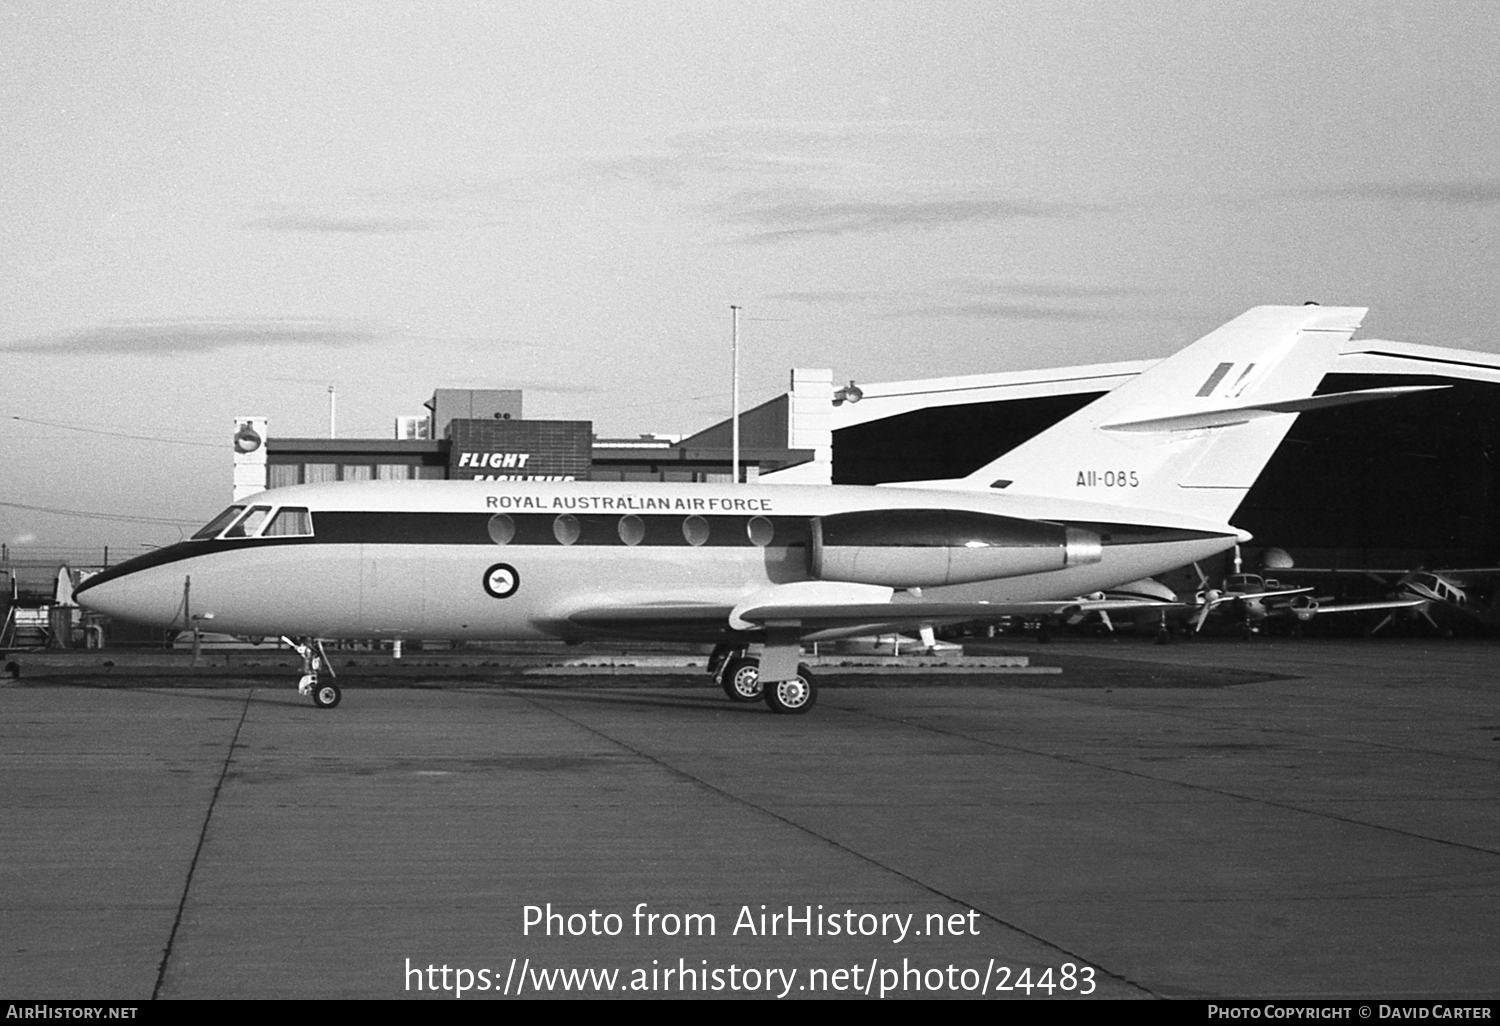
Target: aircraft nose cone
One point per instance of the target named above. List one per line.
(144, 596)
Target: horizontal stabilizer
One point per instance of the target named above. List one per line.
(1232, 415)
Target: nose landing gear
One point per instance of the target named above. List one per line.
(325, 694)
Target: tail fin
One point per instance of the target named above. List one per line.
(1191, 434)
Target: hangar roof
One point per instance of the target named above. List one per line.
(1357, 356)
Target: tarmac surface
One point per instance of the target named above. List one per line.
(1272, 819)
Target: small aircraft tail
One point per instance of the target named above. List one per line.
(1191, 434)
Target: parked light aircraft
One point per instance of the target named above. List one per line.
(1130, 601)
(1142, 480)
(1420, 593)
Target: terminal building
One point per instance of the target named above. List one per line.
(1404, 483)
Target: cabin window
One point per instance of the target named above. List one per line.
(250, 523)
(632, 529)
(566, 528)
(218, 523)
(502, 529)
(289, 522)
(695, 530)
(761, 531)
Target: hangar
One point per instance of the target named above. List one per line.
(1408, 483)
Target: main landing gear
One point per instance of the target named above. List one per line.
(739, 675)
(325, 694)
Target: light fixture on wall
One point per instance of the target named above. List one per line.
(849, 393)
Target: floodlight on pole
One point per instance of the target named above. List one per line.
(734, 414)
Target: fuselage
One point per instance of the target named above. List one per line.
(518, 560)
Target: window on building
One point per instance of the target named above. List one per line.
(356, 471)
(283, 475)
(318, 473)
(393, 471)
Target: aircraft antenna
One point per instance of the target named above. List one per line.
(734, 375)
(332, 408)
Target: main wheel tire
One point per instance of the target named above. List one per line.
(742, 680)
(793, 696)
(326, 696)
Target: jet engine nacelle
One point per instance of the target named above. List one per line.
(911, 548)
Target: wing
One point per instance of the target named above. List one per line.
(1122, 605)
(1245, 596)
(1366, 607)
(810, 610)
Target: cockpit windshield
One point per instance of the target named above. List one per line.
(218, 523)
(289, 522)
(249, 523)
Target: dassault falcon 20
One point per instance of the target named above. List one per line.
(1140, 481)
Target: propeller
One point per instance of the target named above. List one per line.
(1209, 600)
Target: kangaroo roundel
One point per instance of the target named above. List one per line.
(502, 580)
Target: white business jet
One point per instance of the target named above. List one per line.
(1142, 480)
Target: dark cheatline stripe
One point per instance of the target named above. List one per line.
(181, 551)
(538, 529)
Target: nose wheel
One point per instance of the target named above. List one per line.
(325, 694)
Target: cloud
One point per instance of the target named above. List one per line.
(1471, 193)
(1012, 311)
(770, 150)
(340, 224)
(981, 297)
(193, 335)
(1037, 289)
(828, 296)
(813, 217)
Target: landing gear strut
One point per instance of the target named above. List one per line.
(325, 694)
(739, 675)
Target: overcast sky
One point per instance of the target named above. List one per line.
(211, 210)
